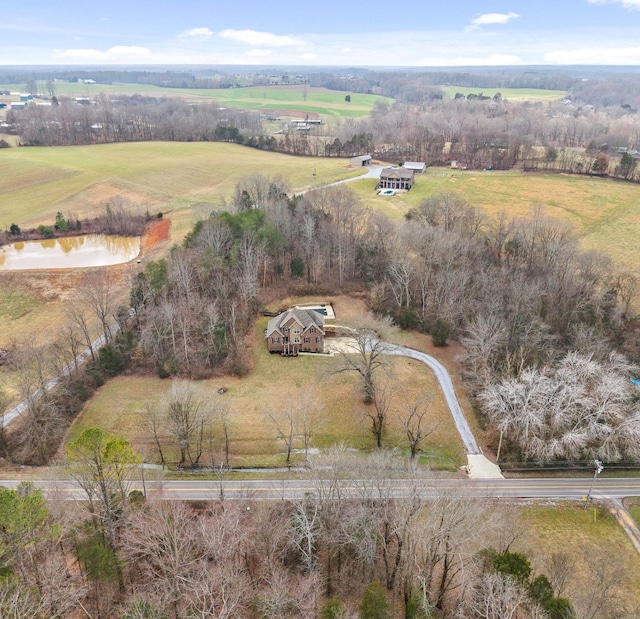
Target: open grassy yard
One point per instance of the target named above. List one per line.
(295, 98)
(605, 213)
(515, 94)
(275, 384)
(600, 544)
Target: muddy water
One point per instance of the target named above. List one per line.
(91, 250)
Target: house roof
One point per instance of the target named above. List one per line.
(306, 318)
(414, 165)
(396, 173)
(362, 157)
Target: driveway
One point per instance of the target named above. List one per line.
(373, 171)
(478, 465)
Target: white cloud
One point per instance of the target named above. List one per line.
(253, 37)
(595, 55)
(118, 53)
(308, 56)
(195, 33)
(259, 52)
(627, 4)
(489, 19)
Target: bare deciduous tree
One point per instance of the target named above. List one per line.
(364, 352)
(188, 417)
(413, 423)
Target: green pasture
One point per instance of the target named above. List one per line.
(35, 183)
(605, 213)
(301, 99)
(515, 94)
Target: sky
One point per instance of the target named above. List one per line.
(424, 33)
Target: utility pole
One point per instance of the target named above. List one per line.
(599, 469)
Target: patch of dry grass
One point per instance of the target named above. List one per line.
(275, 384)
(567, 528)
(605, 213)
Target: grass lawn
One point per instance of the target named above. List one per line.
(605, 213)
(274, 384)
(567, 528)
(515, 94)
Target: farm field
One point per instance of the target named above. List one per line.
(299, 99)
(272, 385)
(296, 99)
(515, 94)
(35, 183)
(605, 213)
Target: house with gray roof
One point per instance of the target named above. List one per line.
(396, 178)
(296, 330)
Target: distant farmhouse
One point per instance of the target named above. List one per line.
(296, 330)
(396, 178)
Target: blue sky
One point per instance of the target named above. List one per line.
(326, 32)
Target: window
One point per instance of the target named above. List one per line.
(317, 340)
(276, 340)
(296, 340)
(306, 340)
(313, 329)
(296, 330)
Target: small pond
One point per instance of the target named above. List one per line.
(91, 250)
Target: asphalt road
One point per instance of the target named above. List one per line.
(294, 489)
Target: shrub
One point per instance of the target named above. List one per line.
(374, 602)
(333, 609)
(110, 359)
(45, 231)
(15, 229)
(440, 332)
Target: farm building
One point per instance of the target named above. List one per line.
(360, 160)
(296, 330)
(417, 166)
(396, 178)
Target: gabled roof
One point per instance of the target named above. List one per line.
(396, 173)
(306, 318)
(414, 165)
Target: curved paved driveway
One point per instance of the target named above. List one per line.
(478, 465)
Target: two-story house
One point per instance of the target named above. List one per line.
(296, 330)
